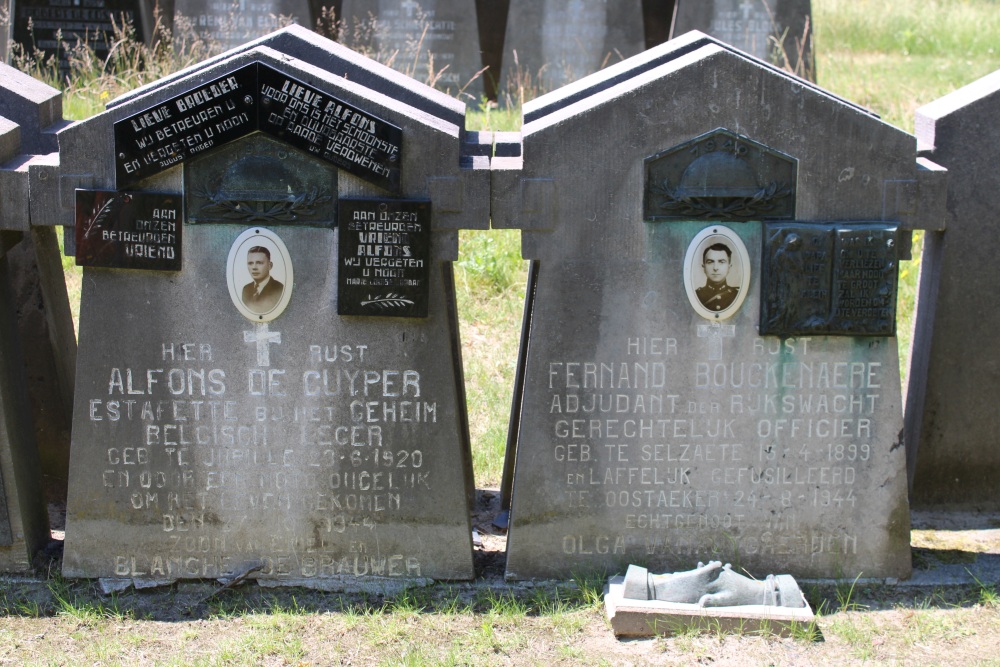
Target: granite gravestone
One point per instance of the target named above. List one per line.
(228, 418)
(53, 25)
(229, 23)
(23, 518)
(554, 42)
(658, 424)
(434, 41)
(44, 321)
(953, 453)
(779, 31)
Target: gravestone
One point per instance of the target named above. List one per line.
(52, 25)
(779, 31)
(23, 519)
(44, 320)
(554, 42)
(710, 369)
(434, 41)
(310, 443)
(229, 23)
(953, 453)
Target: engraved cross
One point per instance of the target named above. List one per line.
(263, 338)
(409, 6)
(715, 332)
(747, 7)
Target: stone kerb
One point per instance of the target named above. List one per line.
(608, 294)
(23, 518)
(340, 518)
(953, 453)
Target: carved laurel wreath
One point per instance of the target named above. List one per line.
(285, 210)
(761, 202)
(389, 300)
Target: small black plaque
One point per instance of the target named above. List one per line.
(719, 176)
(829, 279)
(128, 230)
(384, 262)
(205, 116)
(333, 130)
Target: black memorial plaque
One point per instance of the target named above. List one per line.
(330, 129)
(128, 230)
(829, 279)
(719, 176)
(384, 261)
(252, 98)
(48, 24)
(208, 115)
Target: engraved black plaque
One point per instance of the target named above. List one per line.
(384, 262)
(719, 176)
(330, 129)
(47, 24)
(829, 279)
(252, 98)
(206, 116)
(128, 230)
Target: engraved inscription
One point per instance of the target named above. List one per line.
(384, 257)
(128, 230)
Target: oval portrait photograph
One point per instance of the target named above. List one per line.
(259, 274)
(716, 272)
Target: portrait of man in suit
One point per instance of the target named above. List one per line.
(262, 294)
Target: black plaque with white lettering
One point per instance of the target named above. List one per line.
(329, 128)
(128, 230)
(829, 279)
(208, 115)
(384, 262)
(252, 98)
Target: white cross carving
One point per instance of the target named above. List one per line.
(263, 338)
(747, 7)
(715, 332)
(409, 6)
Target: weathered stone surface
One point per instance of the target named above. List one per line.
(45, 323)
(434, 41)
(317, 447)
(555, 42)
(779, 31)
(954, 454)
(230, 24)
(654, 428)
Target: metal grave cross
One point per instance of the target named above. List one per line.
(263, 338)
(715, 332)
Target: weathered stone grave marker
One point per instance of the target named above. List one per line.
(434, 41)
(779, 31)
(23, 519)
(951, 423)
(228, 417)
(556, 42)
(48, 24)
(230, 23)
(710, 368)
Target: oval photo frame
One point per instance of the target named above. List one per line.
(738, 276)
(277, 291)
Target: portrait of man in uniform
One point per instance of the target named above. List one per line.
(717, 294)
(262, 294)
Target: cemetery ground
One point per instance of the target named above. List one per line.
(890, 56)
